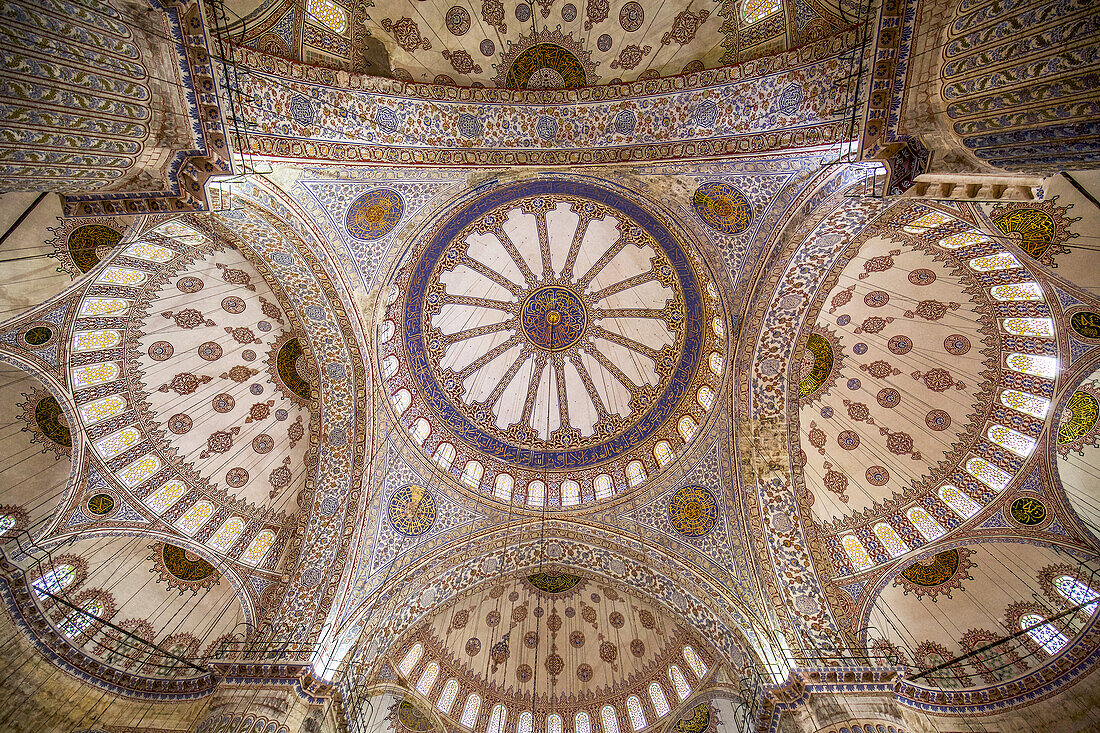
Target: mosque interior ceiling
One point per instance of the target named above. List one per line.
(551, 367)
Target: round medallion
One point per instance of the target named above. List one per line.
(38, 336)
(693, 511)
(553, 318)
(458, 20)
(185, 565)
(569, 13)
(956, 344)
(374, 214)
(631, 16)
(922, 276)
(523, 12)
(236, 477)
(546, 66)
(412, 510)
(877, 475)
(88, 244)
(937, 420)
(487, 47)
(412, 718)
(180, 423)
(1078, 417)
(889, 397)
(722, 207)
(603, 43)
(189, 284)
(101, 504)
(933, 571)
(210, 351)
(1086, 324)
(161, 351)
(1028, 510)
(233, 304)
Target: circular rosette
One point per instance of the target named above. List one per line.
(722, 207)
(374, 214)
(693, 511)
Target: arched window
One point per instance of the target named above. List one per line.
(502, 487)
(410, 659)
(959, 502)
(715, 362)
(636, 713)
(570, 493)
(694, 662)
(1016, 442)
(1017, 291)
(427, 680)
(447, 697)
(755, 10)
(328, 13)
(471, 474)
(610, 719)
(156, 253)
(994, 262)
(195, 517)
(1077, 592)
(496, 719)
(103, 307)
(687, 427)
(536, 493)
(166, 495)
(401, 399)
(1042, 633)
(719, 327)
(224, 538)
(1037, 327)
(857, 553)
(931, 220)
(78, 622)
(554, 724)
(389, 366)
(101, 409)
(581, 723)
(122, 276)
(1028, 404)
(94, 340)
(7, 521)
(139, 471)
(1038, 366)
(679, 682)
(705, 397)
(420, 431)
(54, 581)
(657, 697)
(964, 239)
(635, 473)
(662, 452)
(924, 523)
(526, 722)
(259, 547)
(116, 443)
(385, 333)
(444, 455)
(469, 712)
(604, 486)
(888, 536)
(987, 473)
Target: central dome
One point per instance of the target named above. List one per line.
(552, 325)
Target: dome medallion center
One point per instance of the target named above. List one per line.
(553, 318)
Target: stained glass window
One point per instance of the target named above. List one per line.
(94, 374)
(888, 536)
(705, 397)
(447, 697)
(502, 488)
(694, 662)
(224, 538)
(711, 290)
(427, 680)
(963, 239)
(471, 474)
(553, 723)
(856, 552)
(759, 9)
(122, 276)
(1038, 327)
(526, 722)
(959, 502)
(636, 713)
(1017, 291)
(410, 659)
(719, 327)
(391, 295)
(101, 409)
(166, 495)
(386, 332)
(1016, 442)
(496, 719)
(7, 521)
(610, 719)
(150, 252)
(55, 581)
(328, 13)
(604, 486)
(92, 340)
(259, 547)
(389, 366)
(469, 712)
(115, 443)
(662, 451)
(581, 723)
(570, 493)
(536, 493)
(103, 307)
(991, 263)
(687, 427)
(987, 473)
(679, 682)
(925, 524)
(195, 517)
(1077, 592)
(420, 430)
(180, 232)
(1026, 403)
(1039, 366)
(401, 399)
(635, 473)
(930, 220)
(444, 455)
(716, 362)
(1042, 633)
(79, 621)
(140, 470)
(657, 697)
